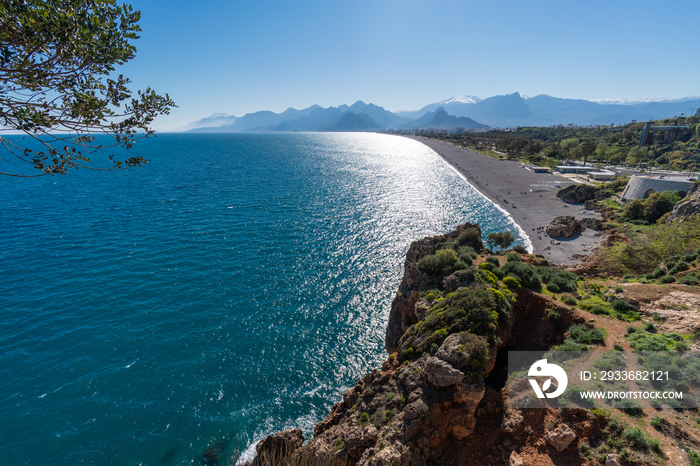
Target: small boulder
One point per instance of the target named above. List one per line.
(441, 373)
(370, 433)
(565, 226)
(592, 223)
(686, 207)
(561, 437)
(420, 309)
(612, 460)
(516, 459)
(512, 419)
(461, 349)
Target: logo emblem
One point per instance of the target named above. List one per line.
(542, 369)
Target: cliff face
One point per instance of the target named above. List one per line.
(402, 314)
(688, 207)
(422, 403)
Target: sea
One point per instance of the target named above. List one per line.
(233, 287)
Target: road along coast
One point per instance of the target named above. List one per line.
(529, 198)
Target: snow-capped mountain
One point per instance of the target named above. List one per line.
(464, 99)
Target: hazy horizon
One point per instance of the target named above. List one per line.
(249, 56)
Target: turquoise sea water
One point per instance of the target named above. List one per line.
(233, 287)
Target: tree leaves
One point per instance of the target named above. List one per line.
(55, 65)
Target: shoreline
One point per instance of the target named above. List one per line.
(528, 198)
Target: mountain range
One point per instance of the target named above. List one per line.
(468, 112)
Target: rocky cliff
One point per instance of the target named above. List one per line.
(687, 207)
(440, 398)
(446, 358)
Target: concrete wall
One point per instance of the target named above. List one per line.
(641, 187)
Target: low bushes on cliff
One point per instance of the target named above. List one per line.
(583, 335)
(471, 237)
(525, 273)
(477, 310)
(440, 263)
(447, 261)
(557, 281)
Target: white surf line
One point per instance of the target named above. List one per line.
(528, 242)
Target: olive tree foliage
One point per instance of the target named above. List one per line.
(57, 84)
(502, 239)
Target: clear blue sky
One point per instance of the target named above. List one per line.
(243, 56)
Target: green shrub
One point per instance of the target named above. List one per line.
(439, 263)
(564, 282)
(583, 335)
(667, 279)
(679, 267)
(636, 437)
(689, 280)
(467, 254)
(656, 205)
(362, 419)
(568, 299)
(630, 407)
(525, 273)
(471, 237)
(520, 249)
(619, 289)
(494, 260)
(649, 327)
(620, 305)
(510, 257)
(571, 347)
(468, 309)
(641, 341)
(511, 282)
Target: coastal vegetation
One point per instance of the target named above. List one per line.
(550, 146)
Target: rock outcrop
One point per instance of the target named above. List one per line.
(686, 207)
(577, 193)
(401, 316)
(441, 373)
(564, 226)
(561, 437)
